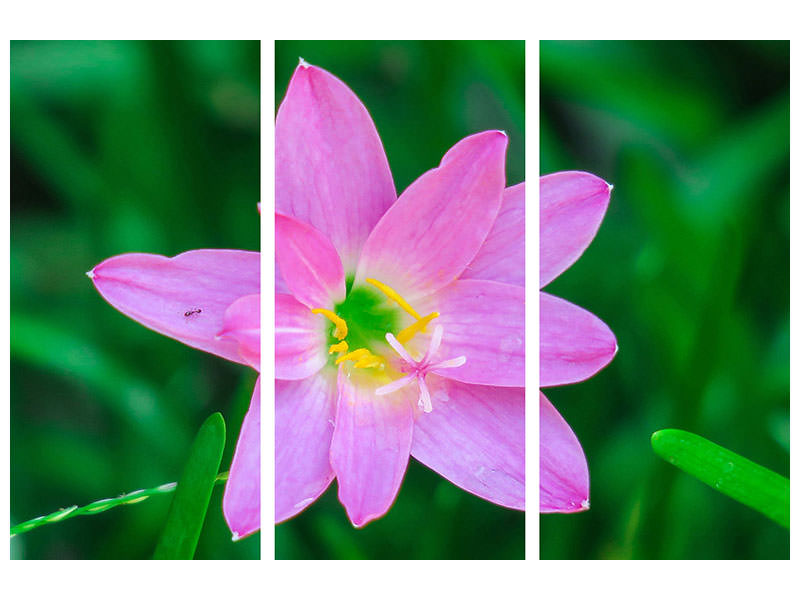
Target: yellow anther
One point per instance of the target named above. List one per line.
(341, 326)
(362, 358)
(354, 355)
(340, 347)
(370, 361)
(392, 295)
(419, 325)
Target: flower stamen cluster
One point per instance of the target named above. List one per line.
(417, 370)
(362, 357)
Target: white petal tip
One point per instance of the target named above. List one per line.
(235, 537)
(610, 187)
(90, 274)
(302, 63)
(585, 504)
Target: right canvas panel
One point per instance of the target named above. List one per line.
(664, 311)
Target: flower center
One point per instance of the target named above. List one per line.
(360, 324)
(418, 369)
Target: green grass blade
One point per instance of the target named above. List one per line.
(99, 506)
(725, 471)
(188, 511)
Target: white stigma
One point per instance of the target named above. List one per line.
(417, 370)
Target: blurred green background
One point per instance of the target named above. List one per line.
(690, 269)
(424, 97)
(120, 147)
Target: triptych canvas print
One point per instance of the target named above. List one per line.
(388, 243)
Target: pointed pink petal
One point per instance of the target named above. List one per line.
(241, 503)
(476, 439)
(370, 447)
(242, 322)
(573, 343)
(563, 474)
(184, 297)
(485, 322)
(330, 167)
(572, 206)
(429, 236)
(299, 339)
(309, 263)
(502, 256)
(304, 413)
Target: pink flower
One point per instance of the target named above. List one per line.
(207, 299)
(399, 321)
(573, 343)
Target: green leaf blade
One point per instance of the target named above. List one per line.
(188, 510)
(727, 472)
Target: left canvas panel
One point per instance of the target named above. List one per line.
(137, 164)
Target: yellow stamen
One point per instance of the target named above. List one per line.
(341, 326)
(340, 347)
(370, 361)
(416, 327)
(392, 295)
(362, 358)
(354, 355)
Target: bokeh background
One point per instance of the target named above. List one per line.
(423, 97)
(690, 269)
(120, 147)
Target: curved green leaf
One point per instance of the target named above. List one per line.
(725, 471)
(188, 510)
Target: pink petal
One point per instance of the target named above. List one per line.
(571, 207)
(304, 413)
(309, 263)
(299, 339)
(184, 297)
(330, 167)
(242, 322)
(476, 439)
(485, 322)
(502, 256)
(573, 343)
(563, 474)
(434, 230)
(241, 503)
(370, 448)
(280, 284)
